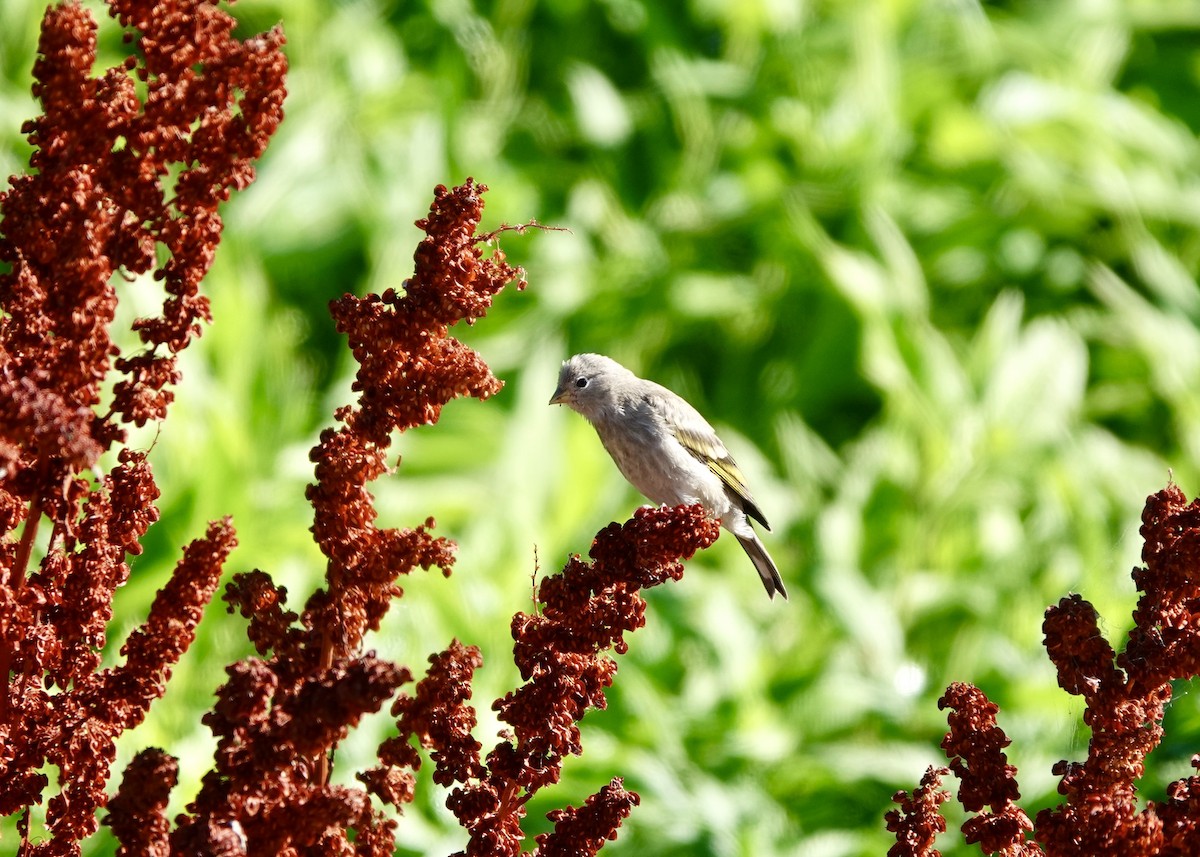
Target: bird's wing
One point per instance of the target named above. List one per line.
(696, 436)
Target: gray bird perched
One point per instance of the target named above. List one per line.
(665, 449)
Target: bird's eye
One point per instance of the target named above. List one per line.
(581, 382)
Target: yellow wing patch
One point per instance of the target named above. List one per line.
(707, 448)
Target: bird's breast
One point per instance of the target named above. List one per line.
(658, 466)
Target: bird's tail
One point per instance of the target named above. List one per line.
(763, 564)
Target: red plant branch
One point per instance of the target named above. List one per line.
(96, 210)
(1126, 695)
(278, 719)
(919, 820)
(95, 205)
(561, 654)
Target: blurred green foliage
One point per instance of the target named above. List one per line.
(929, 266)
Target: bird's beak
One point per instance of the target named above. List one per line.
(560, 396)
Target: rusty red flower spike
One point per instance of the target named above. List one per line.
(137, 813)
(1164, 642)
(104, 153)
(1125, 715)
(318, 821)
(919, 819)
(410, 367)
(269, 735)
(1084, 658)
(1126, 695)
(152, 649)
(439, 715)
(582, 832)
(94, 205)
(588, 609)
(272, 626)
(1098, 825)
(80, 738)
(1101, 809)
(278, 718)
(975, 746)
(1180, 815)
(324, 709)
(321, 823)
(91, 565)
(391, 782)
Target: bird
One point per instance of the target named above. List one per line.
(665, 449)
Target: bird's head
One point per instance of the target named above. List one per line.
(589, 384)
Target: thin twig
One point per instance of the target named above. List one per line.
(519, 228)
(533, 576)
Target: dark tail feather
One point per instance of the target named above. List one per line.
(763, 564)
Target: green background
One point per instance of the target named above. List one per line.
(929, 267)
